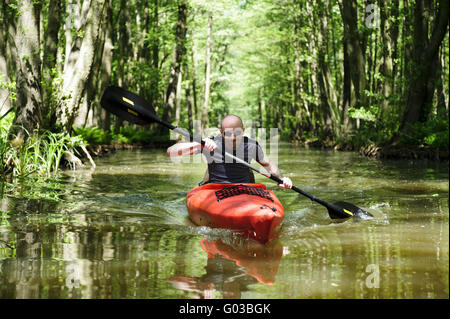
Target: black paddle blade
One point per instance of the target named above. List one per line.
(128, 106)
(343, 210)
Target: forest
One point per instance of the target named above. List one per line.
(351, 75)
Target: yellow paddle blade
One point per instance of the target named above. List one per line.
(132, 112)
(348, 212)
(127, 100)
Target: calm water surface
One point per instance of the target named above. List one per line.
(121, 231)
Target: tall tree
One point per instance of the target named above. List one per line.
(354, 47)
(178, 55)
(80, 59)
(207, 85)
(90, 113)
(49, 61)
(28, 71)
(329, 107)
(5, 76)
(154, 84)
(104, 117)
(188, 96)
(194, 83)
(388, 45)
(424, 55)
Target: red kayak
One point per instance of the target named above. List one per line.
(247, 208)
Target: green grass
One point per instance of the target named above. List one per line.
(40, 155)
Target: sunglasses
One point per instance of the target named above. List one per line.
(235, 133)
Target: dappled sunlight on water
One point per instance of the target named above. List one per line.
(122, 231)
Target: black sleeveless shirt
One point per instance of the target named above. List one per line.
(224, 170)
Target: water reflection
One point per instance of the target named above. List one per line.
(259, 261)
(122, 231)
(231, 267)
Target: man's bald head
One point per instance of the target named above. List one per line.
(231, 121)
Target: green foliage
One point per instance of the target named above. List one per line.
(370, 132)
(125, 135)
(9, 86)
(433, 133)
(54, 97)
(132, 135)
(42, 154)
(39, 155)
(362, 113)
(5, 147)
(5, 124)
(93, 135)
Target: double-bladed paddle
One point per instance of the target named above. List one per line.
(135, 109)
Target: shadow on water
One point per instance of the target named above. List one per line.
(122, 231)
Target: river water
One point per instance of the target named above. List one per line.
(122, 231)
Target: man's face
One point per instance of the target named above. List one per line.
(232, 132)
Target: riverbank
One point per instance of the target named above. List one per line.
(404, 152)
(400, 152)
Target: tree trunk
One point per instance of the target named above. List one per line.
(303, 115)
(124, 38)
(80, 61)
(28, 72)
(387, 69)
(349, 12)
(187, 91)
(5, 74)
(154, 82)
(178, 54)
(107, 59)
(178, 100)
(407, 45)
(194, 83)
(205, 107)
(425, 51)
(10, 25)
(261, 107)
(91, 113)
(314, 89)
(5, 100)
(337, 68)
(49, 61)
(442, 107)
(328, 96)
(348, 99)
(394, 33)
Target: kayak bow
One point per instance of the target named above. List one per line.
(250, 209)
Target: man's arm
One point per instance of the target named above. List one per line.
(184, 148)
(190, 148)
(273, 169)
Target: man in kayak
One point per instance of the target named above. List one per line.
(222, 169)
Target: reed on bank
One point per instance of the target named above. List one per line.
(40, 154)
